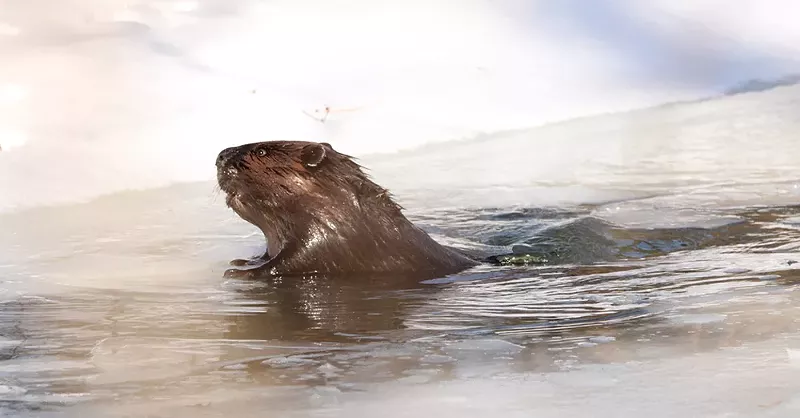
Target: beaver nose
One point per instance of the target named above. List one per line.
(224, 156)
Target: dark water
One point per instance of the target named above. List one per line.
(127, 314)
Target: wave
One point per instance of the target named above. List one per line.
(98, 96)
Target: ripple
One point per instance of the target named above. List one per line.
(612, 293)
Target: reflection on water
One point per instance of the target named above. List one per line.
(127, 314)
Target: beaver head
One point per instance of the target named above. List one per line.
(278, 176)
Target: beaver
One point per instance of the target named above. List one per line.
(321, 214)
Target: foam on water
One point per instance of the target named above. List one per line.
(146, 92)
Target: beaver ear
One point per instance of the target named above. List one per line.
(312, 155)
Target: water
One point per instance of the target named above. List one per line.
(674, 291)
(673, 230)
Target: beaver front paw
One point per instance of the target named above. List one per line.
(238, 274)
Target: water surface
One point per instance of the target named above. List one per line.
(672, 289)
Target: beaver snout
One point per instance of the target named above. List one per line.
(224, 156)
(226, 172)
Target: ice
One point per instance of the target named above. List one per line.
(7, 390)
(699, 319)
(287, 362)
(602, 339)
(329, 370)
(491, 347)
(437, 359)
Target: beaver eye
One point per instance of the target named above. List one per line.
(261, 152)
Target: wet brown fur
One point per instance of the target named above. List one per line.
(321, 214)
